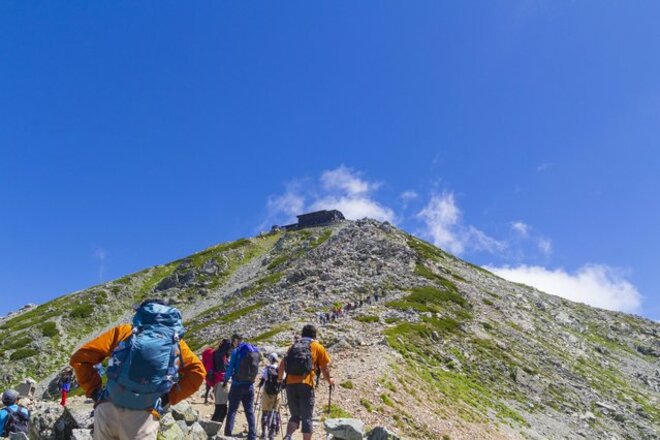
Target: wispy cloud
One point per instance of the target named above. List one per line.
(544, 166)
(545, 246)
(409, 195)
(100, 254)
(594, 284)
(444, 226)
(521, 228)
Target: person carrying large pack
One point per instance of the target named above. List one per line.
(150, 367)
(299, 364)
(242, 370)
(14, 418)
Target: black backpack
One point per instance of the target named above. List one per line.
(298, 360)
(220, 356)
(248, 367)
(271, 386)
(17, 421)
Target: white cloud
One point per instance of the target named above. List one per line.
(347, 181)
(442, 218)
(544, 166)
(594, 284)
(341, 188)
(521, 228)
(290, 203)
(355, 207)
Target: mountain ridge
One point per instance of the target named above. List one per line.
(488, 358)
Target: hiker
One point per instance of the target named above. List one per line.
(64, 384)
(150, 367)
(242, 370)
(220, 364)
(14, 418)
(270, 398)
(299, 364)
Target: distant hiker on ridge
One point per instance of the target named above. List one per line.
(242, 370)
(64, 384)
(149, 368)
(299, 364)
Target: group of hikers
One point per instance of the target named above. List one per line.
(150, 367)
(338, 310)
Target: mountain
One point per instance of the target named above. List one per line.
(449, 350)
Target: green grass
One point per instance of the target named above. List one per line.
(367, 405)
(367, 318)
(193, 328)
(392, 320)
(49, 329)
(82, 311)
(278, 261)
(18, 343)
(270, 333)
(423, 249)
(387, 400)
(479, 394)
(336, 412)
(428, 299)
(347, 384)
(23, 353)
(262, 283)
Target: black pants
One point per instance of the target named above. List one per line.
(219, 413)
(301, 405)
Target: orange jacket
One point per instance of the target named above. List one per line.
(191, 372)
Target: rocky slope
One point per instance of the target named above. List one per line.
(448, 349)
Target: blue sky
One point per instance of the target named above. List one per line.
(520, 135)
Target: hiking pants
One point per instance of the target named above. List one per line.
(114, 423)
(301, 405)
(221, 397)
(242, 393)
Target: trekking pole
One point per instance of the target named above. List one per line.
(330, 397)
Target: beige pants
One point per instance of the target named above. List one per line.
(113, 423)
(268, 402)
(221, 394)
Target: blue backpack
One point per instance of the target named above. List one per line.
(145, 365)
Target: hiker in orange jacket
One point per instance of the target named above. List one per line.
(121, 414)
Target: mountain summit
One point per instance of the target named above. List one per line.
(431, 346)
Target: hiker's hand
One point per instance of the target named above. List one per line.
(331, 381)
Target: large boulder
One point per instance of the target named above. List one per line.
(46, 421)
(210, 427)
(381, 433)
(26, 388)
(169, 429)
(197, 432)
(345, 429)
(184, 411)
(79, 414)
(81, 434)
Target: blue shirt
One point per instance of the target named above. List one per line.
(4, 413)
(234, 364)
